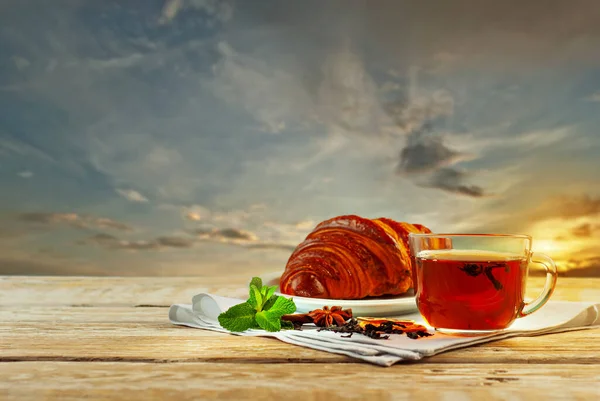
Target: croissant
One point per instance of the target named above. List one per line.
(350, 257)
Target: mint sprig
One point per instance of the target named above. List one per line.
(263, 309)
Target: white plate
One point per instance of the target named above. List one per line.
(376, 307)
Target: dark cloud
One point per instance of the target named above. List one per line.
(233, 233)
(452, 180)
(100, 238)
(425, 155)
(73, 220)
(175, 242)
(225, 234)
(583, 230)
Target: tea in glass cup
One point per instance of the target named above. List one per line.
(476, 282)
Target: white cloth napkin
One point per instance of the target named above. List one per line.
(554, 317)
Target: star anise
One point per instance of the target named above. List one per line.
(475, 270)
(328, 316)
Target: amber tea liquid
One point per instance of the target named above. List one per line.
(470, 290)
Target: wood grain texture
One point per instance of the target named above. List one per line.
(125, 291)
(192, 381)
(68, 338)
(144, 334)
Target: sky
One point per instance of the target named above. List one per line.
(205, 137)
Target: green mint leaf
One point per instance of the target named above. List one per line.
(252, 300)
(270, 302)
(239, 317)
(256, 281)
(268, 321)
(257, 297)
(281, 306)
(286, 325)
(270, 291)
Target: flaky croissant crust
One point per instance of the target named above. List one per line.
(350, 257)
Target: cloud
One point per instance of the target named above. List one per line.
(425, 152)
(423, 155)
(116, 62)
(567, 207)
(74, 220)
(488, 141)
(240, 79)
(170, 10)
(226, 234)
(594, 97)
(452, 180)
(584, 267)
(583, 230)
(100, 238)
(305, 225)
(233, 224)
(346, 97)
(25, 174)
(196, 213)
(226, 227)
(242, 238)
(20, 62)
(175, 242)
(165, 242)
(131, 195)
(139, 245)
(234, 218)
(217, 10)
(13, 146)
(414, 111)
(337, 96)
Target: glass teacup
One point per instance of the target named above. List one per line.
(475, 282)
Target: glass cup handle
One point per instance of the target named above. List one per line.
(551, 276)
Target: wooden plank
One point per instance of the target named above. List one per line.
(83, 314)
(125, 291)
(128, 291)
(144, 334)
(192, 381)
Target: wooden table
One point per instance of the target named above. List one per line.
(109, 338)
